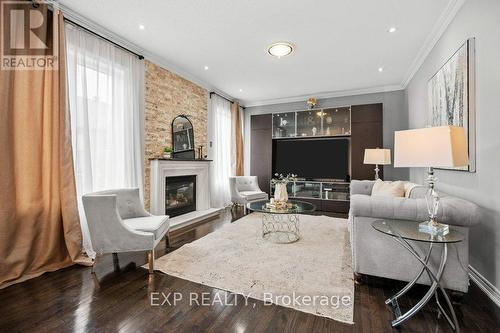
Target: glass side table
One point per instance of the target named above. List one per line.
(281, 225)
(403, 232)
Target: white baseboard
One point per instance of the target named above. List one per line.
(490, 290)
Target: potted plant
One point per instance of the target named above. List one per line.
(280, 182)
(167, 152)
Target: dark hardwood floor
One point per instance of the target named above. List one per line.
(70, 301)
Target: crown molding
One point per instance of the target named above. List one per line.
(150, 56)
(437, 31)
(486, 286)
(331, 94)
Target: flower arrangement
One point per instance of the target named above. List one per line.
(280, 179)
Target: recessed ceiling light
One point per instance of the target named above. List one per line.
(141, 27)
(392, 29)
(205, 68)
(241, 90)
(280, 49)
(381, 69)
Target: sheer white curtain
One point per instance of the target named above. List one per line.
(222, 152)
(106, 100)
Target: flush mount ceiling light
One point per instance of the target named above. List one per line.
(392, 29)
(141, 27)
(280, 49)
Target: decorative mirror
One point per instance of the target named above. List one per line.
(182, 137)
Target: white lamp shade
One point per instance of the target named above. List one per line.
(377, 156)
(443, 146)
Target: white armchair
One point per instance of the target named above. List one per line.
(245, 189)
(118, 222)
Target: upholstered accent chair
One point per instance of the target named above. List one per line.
(374, 253)
(245, 189)
(118, 222)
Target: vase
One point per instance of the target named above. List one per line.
(280, 193)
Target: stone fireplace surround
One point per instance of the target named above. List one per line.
(163, 168)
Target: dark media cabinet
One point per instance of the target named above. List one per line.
(364, 131)
(327, 196)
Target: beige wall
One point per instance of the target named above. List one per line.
(168, 95)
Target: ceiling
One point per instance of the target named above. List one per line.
(339, 44)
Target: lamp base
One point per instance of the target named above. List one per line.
(434, 228)
(376, 172)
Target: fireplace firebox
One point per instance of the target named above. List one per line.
(180, 195)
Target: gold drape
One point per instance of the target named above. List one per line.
(39, 223)
(236, 120)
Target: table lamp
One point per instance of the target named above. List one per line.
(377, 156)
(443, 146)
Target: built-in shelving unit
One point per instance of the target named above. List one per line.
(362, 124)
(325, 122)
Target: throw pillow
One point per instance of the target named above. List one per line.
(388, 189)
(408, 188)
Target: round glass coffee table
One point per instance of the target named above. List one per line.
(403, 232)
(281, 225)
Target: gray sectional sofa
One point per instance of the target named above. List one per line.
(374, 253)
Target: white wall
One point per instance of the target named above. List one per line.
(395, 118)
(479, 19)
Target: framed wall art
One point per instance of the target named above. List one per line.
(452, 96)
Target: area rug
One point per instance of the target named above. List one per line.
(312, 275)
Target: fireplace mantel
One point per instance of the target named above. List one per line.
(162, 168)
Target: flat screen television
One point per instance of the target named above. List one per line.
(326, 158)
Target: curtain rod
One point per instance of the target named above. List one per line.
(227, 99)
(51, 5)
(104, 38)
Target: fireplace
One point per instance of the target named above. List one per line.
(180, 195)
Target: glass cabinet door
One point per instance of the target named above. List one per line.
(335, 191)
(337, 121)
(309, 123)
(305, 189)
(284, 125)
